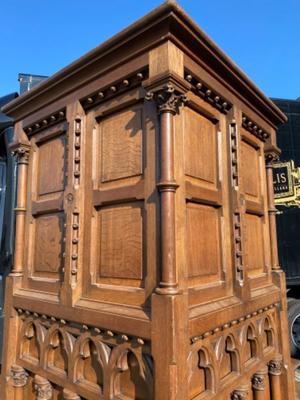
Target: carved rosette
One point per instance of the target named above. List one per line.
(19, 376)
(43, 388)
(258, 382)
(22, 154)
(275, 366)
(168, 99)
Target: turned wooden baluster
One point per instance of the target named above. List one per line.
(68, 395)
(275, 371)
(43, 388)
(22, 154)
(260, 385)
(20, 379)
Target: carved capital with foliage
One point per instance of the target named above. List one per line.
(22, 154)
(275, 366)
(271, 157)
(258, 382)
(42, 388)
(168, 99)
(19, 376)
(241, 393)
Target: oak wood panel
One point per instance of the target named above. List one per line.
(121, 242)
(200, 147)
(121, 145)
(45, 231)
(250, 170)
(254, 244)
(117, 266)
(203, 233)
(202, 195)
(211, 196)
(48, 241)
(51, 158)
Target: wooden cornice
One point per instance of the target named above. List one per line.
(167, 22)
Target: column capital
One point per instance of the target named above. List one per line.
(19, 376)
(272, 154)
(43, 388)
(168, 91)
(240, 393)
(275, 365)
(258, 379)
(21, 151)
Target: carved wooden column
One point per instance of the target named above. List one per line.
(22, 154)
(169, 96)
(275, 371)
(260, 385)
(43, 388)
(272, 155)
(241, 393)
(68, 395)
(20, 379)
(169, 304)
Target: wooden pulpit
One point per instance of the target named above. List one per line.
(145, 261)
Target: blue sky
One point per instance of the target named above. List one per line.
(261, 36)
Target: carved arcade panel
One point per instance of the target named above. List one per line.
(87, 359)
(220, 357)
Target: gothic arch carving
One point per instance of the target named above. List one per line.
(131, 373)
(229, 356)
(58, 347)
(249, 344)
(32, 338)
(90, 357)
(202, 372)
(266, 332)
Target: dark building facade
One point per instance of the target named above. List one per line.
(287, 200)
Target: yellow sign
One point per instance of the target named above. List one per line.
(286, 180)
